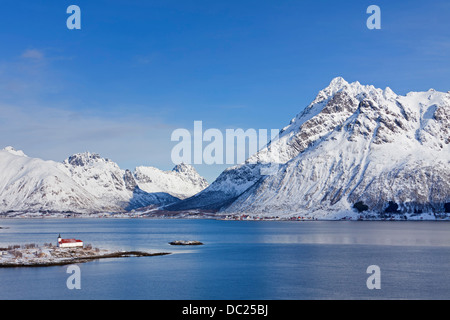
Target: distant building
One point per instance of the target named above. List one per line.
(69, 243)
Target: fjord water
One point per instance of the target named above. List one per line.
(239, 260)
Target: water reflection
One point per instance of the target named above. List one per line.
(434, 234)
(240, 260)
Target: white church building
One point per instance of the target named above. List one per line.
(69, 243)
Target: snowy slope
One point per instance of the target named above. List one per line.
(182, 182)
(28, 184)
(105, 180)
(87, 183)
(353, 143)
(225, 189)
(390, 153)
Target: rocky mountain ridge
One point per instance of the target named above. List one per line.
(354, 151)
(86, 183)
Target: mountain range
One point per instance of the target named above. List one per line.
(354, 151)
(88, 183)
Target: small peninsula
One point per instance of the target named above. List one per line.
(32, 255)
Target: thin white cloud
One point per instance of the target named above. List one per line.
(54, 134)
(33, 54)
(52, 130)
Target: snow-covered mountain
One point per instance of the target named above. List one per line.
(182, 182)
(354, 151)
(86, 183)
(353, 146)
(28, 184)
(105, 180)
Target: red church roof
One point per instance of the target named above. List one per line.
(69, 241)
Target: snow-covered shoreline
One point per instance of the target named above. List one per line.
(32, 255)
(155, 214)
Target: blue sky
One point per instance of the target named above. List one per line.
(137, 70)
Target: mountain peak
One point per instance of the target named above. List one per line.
(182, 181)
(352, 144)
(183, 167)
(189, 172)
(14, 151)
(389, 93)
(83, 159)
(338, 82)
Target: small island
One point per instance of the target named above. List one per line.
(66, 252)
(185, 243)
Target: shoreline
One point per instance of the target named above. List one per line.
(316, 215)
(72, 256)
(220, 218)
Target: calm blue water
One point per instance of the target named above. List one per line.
(240, 260)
